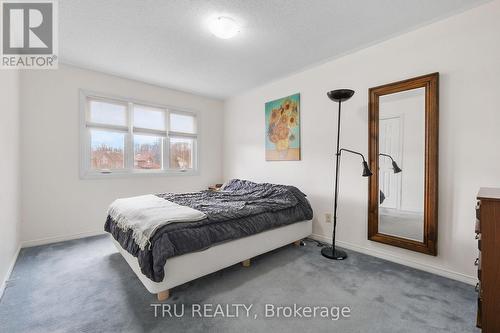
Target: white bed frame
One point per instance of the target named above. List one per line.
(190, 266)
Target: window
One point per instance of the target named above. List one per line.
(181, 153)
(121, 136)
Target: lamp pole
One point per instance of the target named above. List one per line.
(340, 95)
(335, 200)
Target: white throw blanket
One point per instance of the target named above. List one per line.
(146, 213)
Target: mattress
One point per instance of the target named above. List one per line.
(243, 209)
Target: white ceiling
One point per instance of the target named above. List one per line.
(167, 42)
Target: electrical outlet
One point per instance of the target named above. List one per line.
(328, 218)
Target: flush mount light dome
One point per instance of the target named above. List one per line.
(224, 27)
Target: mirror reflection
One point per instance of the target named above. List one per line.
(402, 164)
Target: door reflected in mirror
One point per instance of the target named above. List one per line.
(402, 164)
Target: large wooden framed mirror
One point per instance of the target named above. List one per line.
(403, 153)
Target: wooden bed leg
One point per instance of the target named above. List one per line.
(246, 263)
(296, 243)
(163, 295)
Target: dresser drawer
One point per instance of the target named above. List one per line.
(479, 313)
(478, 217)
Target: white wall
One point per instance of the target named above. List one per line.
(57, 204)
(465, 50)
(9, 172)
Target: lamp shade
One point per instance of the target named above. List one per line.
(340, 95)
(396, 167)
(366, 170)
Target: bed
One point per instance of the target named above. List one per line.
(241, 221)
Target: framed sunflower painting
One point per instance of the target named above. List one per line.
(283, 129)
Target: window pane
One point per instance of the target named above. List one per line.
(108, 113)
(182, 123)
(151, 118)
(147, 152)
(107, 150)
(181, 153)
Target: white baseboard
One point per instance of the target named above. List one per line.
(55, 239)
(472, 280)
(9, 272)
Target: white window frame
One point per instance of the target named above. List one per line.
(85, 126)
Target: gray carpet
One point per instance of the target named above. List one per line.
(401, 224)
(86, 286)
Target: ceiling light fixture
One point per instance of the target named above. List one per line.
(224, 27)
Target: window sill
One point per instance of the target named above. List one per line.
(134, 174)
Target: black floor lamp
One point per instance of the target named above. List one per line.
(340, 95)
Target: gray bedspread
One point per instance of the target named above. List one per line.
(242, 208)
